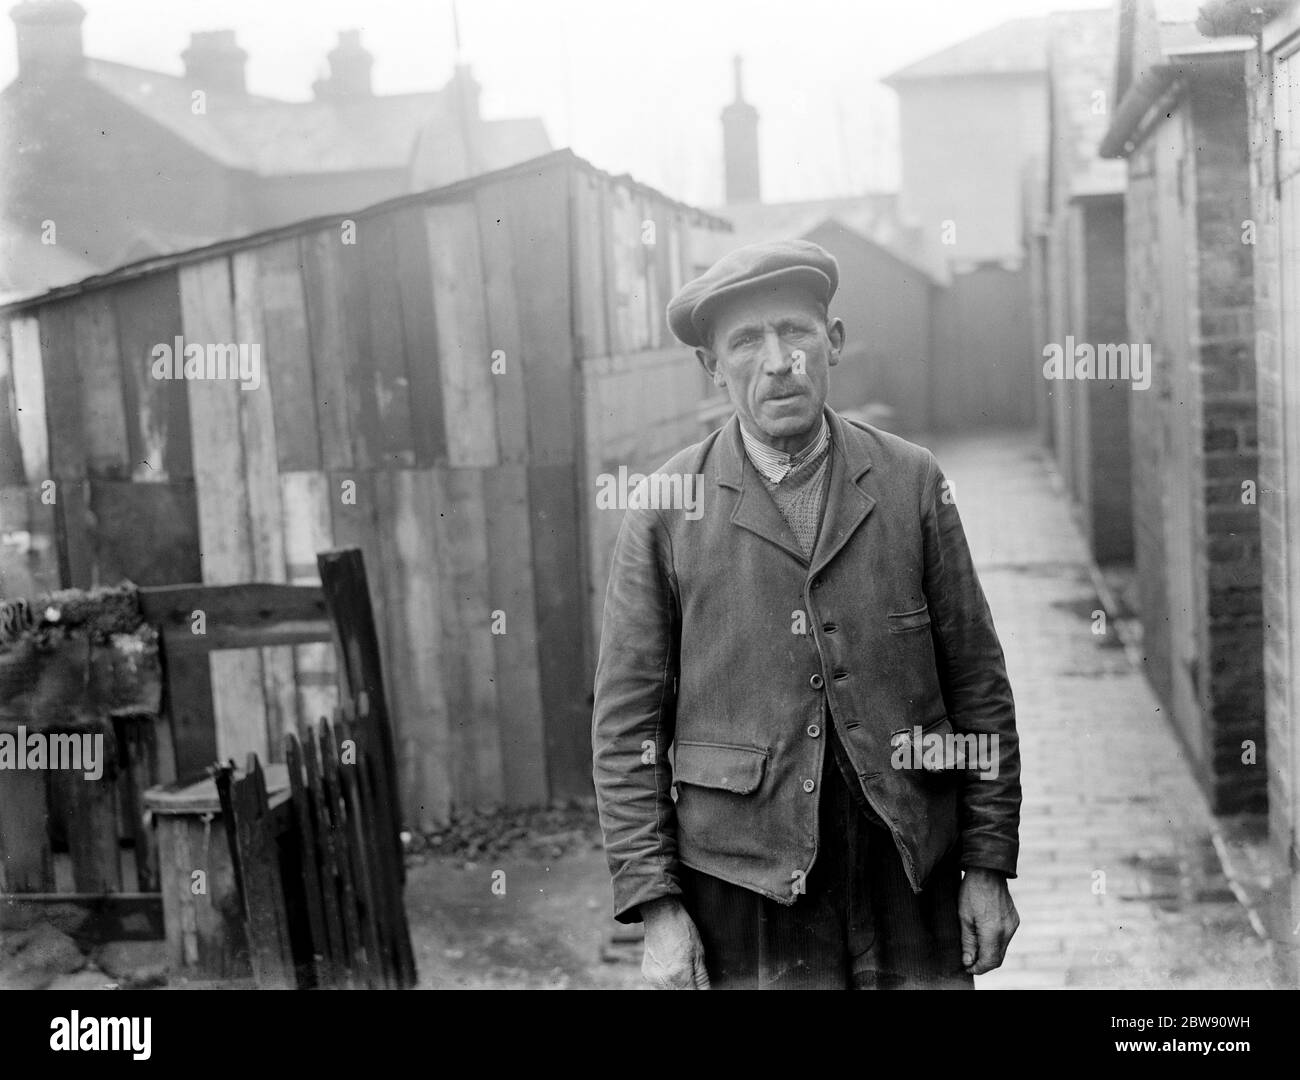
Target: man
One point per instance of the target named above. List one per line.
(813, 644)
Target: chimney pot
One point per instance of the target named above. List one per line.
(49, 36)
(215, 61)
(740, 146)
(350, 63)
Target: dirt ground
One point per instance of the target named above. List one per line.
(545, 925)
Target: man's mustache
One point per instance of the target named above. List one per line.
(784, 390)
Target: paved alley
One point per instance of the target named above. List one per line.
(1119, 884)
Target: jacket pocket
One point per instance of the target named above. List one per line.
(902, 621)
(738, 769)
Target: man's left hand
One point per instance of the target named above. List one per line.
(988, 919)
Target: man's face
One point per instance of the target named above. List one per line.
(773, 350)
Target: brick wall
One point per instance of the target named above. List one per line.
(1142, 253)
(1277, 559)
(1223, 371)
(1206, 199)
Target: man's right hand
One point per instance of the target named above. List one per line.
(674, 953)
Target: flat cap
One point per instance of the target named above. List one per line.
(771, 263)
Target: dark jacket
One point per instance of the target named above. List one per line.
(700, 650)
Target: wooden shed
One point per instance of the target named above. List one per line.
(435, 379)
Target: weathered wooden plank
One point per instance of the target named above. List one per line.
(29, 564)
(62, 392)
(464, 348)
(420, 333)
(357, 920)
(103, 406)
(365, 842)
(148, 313)
(147, 533)
(379, 796)
(615, 325)
(218, 446)
(239, 703)
(258, 432)
(236, 616)
(304, 500)
(89, 811)
(78, 567)
(261, 886)
(386, 346)
(329, 343)
(29, 398)
(355, 521)
(510, 591)
(322, 949)
(266, 522)
(505, 349)
(658, 249)
(552, 500)
(633, 281)
(467, 642)
(358, 365)
(540, 238)
(11, 452)
(124, 916)
(414, 617)
(137, 738)
(587, 245)
(225, 527)
(26, 864)
(286, 355)
(340, 910)
(343, 576)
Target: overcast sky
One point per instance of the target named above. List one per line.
(633, 85)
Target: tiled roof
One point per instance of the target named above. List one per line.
(871, 218)
(276, 138)
(1018, 46)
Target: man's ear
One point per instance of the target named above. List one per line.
(835, 331)
(709, 361)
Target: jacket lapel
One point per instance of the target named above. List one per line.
(847, 505)
(755, 509)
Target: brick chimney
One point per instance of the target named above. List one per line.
(49, 36)
(350, 64)
(740, 146)
(215, 62)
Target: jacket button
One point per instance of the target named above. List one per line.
(816, 682)
(808, 786)
(814, 730)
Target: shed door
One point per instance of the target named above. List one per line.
(1185, 622)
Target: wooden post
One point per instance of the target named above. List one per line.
(347, 595)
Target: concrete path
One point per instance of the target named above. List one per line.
(1119, 884)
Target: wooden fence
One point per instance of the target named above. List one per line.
(439, 377)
